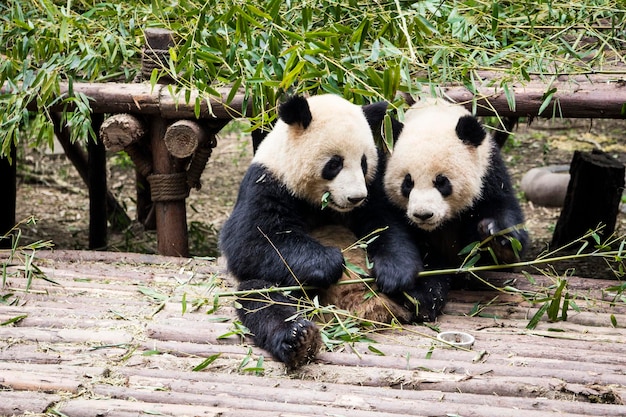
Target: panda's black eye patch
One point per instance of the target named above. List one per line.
(407, 186)
(364, 164)
(443, 185)
(332, 167)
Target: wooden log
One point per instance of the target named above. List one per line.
(94, 337)
(73, 256)
(183, 137)
(331, 393)
(17, 403)
(121, 130)
(593, 196)
(8, 191)
(574, 96)
(595, 96)
(277, 401)
(81, 407)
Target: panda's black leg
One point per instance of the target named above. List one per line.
(428, 298)
(273, 320)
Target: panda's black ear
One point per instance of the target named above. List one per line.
(295, 110)
(375, 113)
(470, 131)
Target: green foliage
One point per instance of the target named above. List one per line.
(362, 51)
(18, 262)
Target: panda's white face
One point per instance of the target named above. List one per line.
(335, 153)
(433, 173)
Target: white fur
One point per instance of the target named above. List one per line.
(297, 156)
(428, 146)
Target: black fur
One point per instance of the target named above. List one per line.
(269, 229)
(374, 113)
(470, 131)
(295, 110)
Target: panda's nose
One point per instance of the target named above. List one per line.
(356, 200)
(424, 216)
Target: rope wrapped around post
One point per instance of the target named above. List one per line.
(156, 53)
(199, 161)
(168, 187)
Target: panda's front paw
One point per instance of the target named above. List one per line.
(507, 243)
(428, 299)
(319, 269)
(331, 268)
(396, 275)
(297, 342)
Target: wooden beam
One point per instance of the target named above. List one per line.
(585, 96)
(598, 96)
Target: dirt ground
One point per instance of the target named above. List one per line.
(50, 189)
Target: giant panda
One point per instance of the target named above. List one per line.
(447, 175)
(317, 168)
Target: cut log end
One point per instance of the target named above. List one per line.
(183, 137)
(121, 130)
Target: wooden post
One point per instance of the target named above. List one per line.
(126, 132)
(168, 186)
(593, 195)
(8, 189)
(168, 182)
(77, 156)
(97, 182)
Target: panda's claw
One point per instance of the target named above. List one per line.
(300, 345)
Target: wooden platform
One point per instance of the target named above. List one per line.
(105, 335)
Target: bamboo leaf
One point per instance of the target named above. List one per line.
(375, 350)
(534, 321)
(206, 362)
(547, 98)
(14, 320)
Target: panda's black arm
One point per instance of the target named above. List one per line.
(497, 210)
(394, 252)
(266, 237)
(396, 257)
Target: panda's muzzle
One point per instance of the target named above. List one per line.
(356, 201)
(423, 216)
(424, 220)
(350, 203)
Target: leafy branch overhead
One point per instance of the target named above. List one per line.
(362, 50)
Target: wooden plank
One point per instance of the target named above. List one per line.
(404, 400)
(46, 377)
(147, 359)
(279, 401)
(120, 408)
(87, 336)
(15, 403)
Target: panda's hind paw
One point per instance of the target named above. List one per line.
(300, 343)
